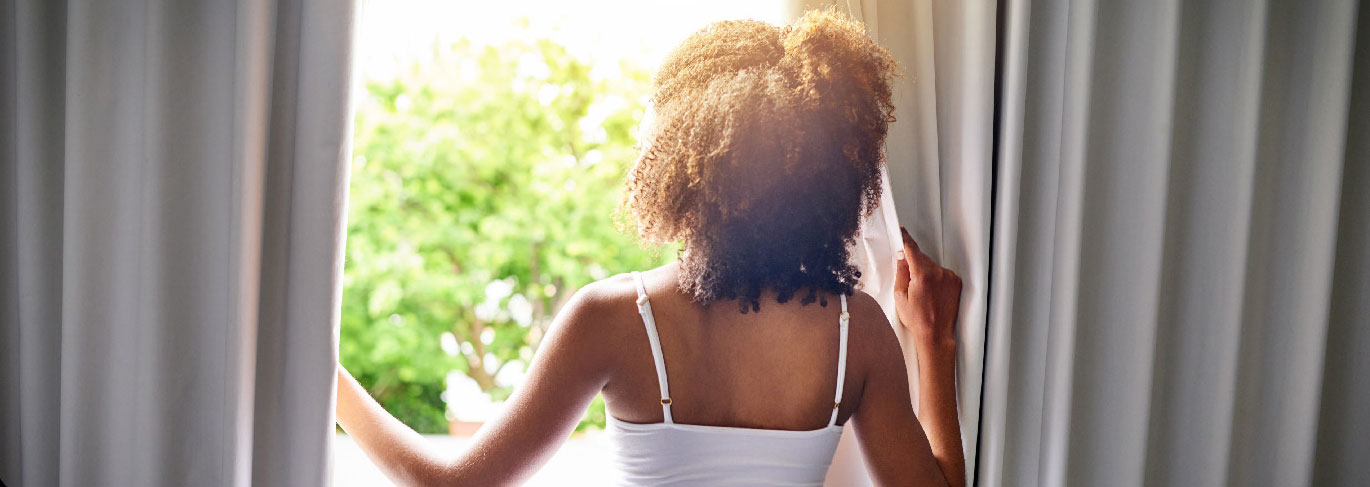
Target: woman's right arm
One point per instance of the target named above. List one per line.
(902, 449)
(927, 299)
(893, 441)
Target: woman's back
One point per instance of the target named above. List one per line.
(765, 390)
(775, 369)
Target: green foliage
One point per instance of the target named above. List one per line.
(496, 164)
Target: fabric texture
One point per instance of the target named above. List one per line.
(680, 455)
(172, 193)
(1181, 253)
(674, 454)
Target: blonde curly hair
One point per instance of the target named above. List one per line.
(767, 153)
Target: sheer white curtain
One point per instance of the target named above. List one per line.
(1181, 257)
(172, 190)
(939, 175)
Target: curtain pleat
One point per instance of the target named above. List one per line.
(1176, 256)
(174, 178)
(31, 119)
(1343, 436)
(1299, 162)
(302, 265)
(1342, 444)
(1198, 331)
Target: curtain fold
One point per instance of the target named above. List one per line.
(938, 155)
(1180, 238)
(31, 117)
(173, 191)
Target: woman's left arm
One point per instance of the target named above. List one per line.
(570, 367)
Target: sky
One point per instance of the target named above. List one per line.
(391, 34)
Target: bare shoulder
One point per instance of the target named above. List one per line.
(616, 296)
(873, 341)
(597, 317)
(601, 306)
(605, 294)
(868, 318)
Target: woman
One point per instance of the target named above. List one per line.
(764, 155)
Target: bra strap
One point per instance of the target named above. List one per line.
(842, 322)
(644, 307)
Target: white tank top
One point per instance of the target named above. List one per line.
(673, 454)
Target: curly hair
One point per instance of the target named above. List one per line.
(767, 155)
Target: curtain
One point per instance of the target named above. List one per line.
(939, 177)
(172, 192)
(1181, 257)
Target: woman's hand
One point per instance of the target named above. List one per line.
(927, 298)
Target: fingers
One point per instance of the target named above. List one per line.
(909, 244)
(918, 262)
(916, 265)
(901, 275)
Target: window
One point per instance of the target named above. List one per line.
(490, 145)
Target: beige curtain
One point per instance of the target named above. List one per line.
(1181, 258)
(172, 190)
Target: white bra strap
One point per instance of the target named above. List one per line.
(644, 307)
(842, 321)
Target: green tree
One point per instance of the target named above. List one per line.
(483, 187)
